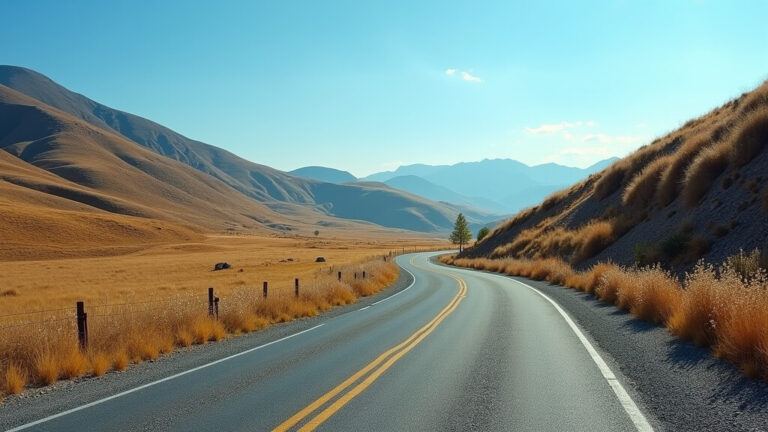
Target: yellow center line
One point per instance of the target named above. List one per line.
(388, 358)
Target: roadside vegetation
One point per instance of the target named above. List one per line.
(724, 308)
(127, 333)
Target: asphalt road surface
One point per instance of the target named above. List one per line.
(455, 350)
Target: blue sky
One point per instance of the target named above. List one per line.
(366, 86)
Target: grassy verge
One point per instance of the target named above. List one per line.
(724, 307)
(122, 334)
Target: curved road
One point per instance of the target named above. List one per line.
(456, 350)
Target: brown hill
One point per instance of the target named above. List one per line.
(280, 191)
(698, 192)
(66, 185)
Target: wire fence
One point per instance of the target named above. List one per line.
(77, 319)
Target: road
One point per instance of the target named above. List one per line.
(456, 350)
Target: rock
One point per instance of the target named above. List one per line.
(320, 259)
(221, 266)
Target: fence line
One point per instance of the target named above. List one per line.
(212, 301)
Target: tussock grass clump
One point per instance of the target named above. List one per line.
(611, 283)
(593, 238)
(642, 188)
(658, 295)
(703, 171)
(122, 334)
(14, 379)
(724, 308)
(750, 138)
(673, 176)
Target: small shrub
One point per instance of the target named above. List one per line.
(676, 244)
(646, 254)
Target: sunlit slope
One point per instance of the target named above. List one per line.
(697, 192)
(285, 194)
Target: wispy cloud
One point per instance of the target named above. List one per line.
(551, 128)
(463, 75)
(466, 76)
(602, 138)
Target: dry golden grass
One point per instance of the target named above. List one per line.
(701, 174)
(157, 315)
(750, 138)
(720, 308)
(15, 378)
(643, 186)
(673, 176)
(163, 271)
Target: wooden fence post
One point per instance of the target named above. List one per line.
(216, 307)
(266, 288)
(296, 286)
(210, 301)
(82, 325)
(339, 276)
(363, 274)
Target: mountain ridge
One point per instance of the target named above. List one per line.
(280, 192)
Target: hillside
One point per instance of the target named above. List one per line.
(503, 185)
(323, 174)
(287, 202)
(58, 173)
(698, 192)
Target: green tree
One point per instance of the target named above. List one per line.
(482, 233)
(461, 234)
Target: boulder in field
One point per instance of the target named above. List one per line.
(221, 266)
(320, 259)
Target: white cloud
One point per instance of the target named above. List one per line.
(464, 75)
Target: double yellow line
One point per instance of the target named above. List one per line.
(372, 371)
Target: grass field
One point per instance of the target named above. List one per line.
(150, 302)
(165, 270)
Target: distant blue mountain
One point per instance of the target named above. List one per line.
(506, 183)
(324, 174)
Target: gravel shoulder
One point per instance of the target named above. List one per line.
(37, 403)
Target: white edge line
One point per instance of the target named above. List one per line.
(399, 292)
(629, 405)
(364, 308)
(150, 384)
(168, 378)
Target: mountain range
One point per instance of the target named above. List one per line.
(498, 186)
(72, 153)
